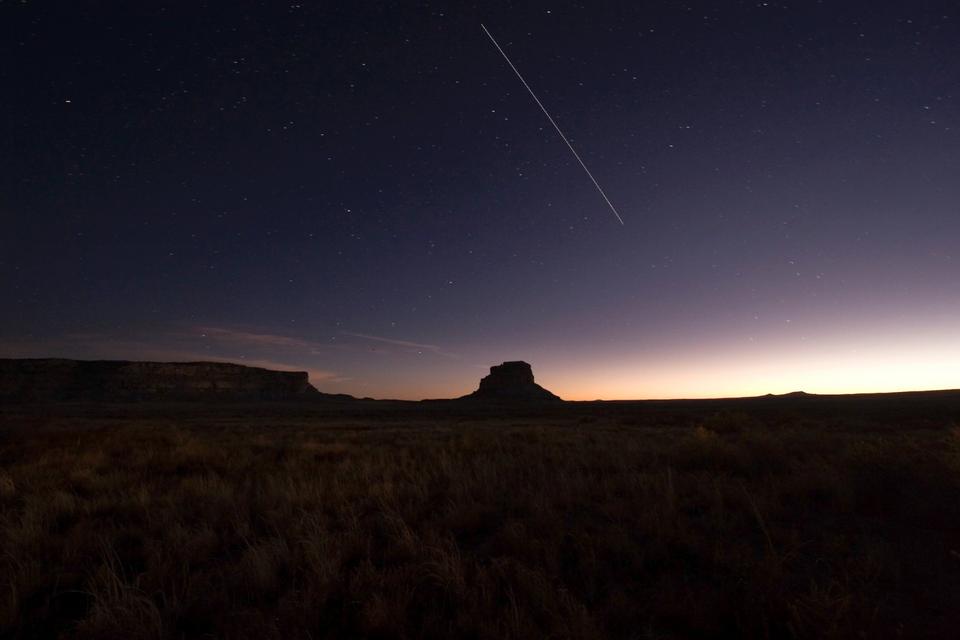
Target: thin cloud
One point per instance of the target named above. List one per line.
(249, 338)
(252, 339)
(256, 340)
(404, 345)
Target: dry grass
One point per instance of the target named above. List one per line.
(423, 525)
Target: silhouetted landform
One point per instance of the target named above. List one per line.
(511, 382)
(61, 380)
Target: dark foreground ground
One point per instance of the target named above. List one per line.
(769, 518)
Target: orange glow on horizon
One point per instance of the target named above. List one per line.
(705, 377)
(824, 371)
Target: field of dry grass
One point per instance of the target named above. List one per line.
(583, 523)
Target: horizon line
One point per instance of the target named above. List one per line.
(293, 369)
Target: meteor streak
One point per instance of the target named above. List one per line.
(553, 122)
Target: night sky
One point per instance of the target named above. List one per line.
(367, 192)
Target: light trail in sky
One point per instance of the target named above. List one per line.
(553, 122)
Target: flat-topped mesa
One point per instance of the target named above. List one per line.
(60, 380)
(511, 382)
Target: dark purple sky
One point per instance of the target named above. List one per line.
(369, 193)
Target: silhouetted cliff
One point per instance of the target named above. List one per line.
(511, 382)
(58, 380)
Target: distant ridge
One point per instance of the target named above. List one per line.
(63, 380)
